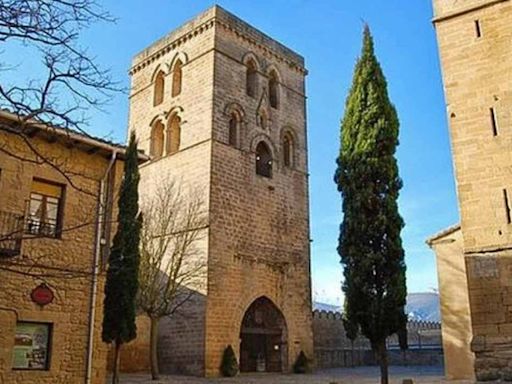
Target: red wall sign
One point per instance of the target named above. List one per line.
(42, 294)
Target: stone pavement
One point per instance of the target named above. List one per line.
(359, 375)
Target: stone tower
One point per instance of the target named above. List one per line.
(220, 107)
(475, 46)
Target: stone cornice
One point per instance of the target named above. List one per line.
(175, 43)
(451, 15)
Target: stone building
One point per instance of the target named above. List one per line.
(474, 38)
(54, 236)
(220, 108)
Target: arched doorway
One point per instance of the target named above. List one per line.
(263, 338)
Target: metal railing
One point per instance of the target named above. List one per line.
(11, 233)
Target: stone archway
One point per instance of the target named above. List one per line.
(263, 338)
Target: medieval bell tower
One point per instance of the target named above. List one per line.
(220, 107)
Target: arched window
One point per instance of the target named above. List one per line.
(251, 78)
(263, 160)
(288, 150)
(176, 78)
(173, 134)
(157, 140)
(233, 130)
(158, 89)
(273, 89)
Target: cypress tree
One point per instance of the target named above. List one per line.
(370, 246)
(123, 264)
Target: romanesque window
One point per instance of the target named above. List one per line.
(157, 140)
(273, 89)
(159, 88)
(263, 160)
(177, 78)
(233, 130)
(288, 150)
(251, 78)
(173, 134)
(44, 211)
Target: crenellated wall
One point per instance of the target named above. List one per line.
(334, 349)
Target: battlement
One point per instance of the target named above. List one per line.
(214, 17)
(413, 325)
(445, 9)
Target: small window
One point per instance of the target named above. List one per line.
(273, 89)
(159, 88)
(45, 211)
(263, 160)
(494, 121)
(287, 150)
(177, 78)
(32, 343)
(173, 135)
(233, 131)
(478, 29)
(157, 140)
(507, 206)
(251, 78)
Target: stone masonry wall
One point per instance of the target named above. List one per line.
(259, 229)
(66, 262)
(476, 72)
(333, 348)
(257, 243)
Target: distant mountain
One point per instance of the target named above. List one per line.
(325, 307)
(421, 306)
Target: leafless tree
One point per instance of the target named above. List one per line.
(69, 82)
(172, 267)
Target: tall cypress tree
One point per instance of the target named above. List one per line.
(123, 264)
(370, 246)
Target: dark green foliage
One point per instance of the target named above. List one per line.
(402, 337)
(301, 365)
(370, 246)
(229, 366)
(349, 324)
(123, 264)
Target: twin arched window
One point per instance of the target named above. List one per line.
(159, 83)
(273, 89)
(288, 150)
(251, 81)
(159, 88)
(176, 78)
(263, 160)
(165, 139)
(233, 130)
(157, 140)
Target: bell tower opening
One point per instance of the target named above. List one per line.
(263, 338)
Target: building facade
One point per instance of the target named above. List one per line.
(220, 108)
(55, 228)
(454, 300)
(476, 59)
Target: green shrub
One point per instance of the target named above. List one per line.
(229, 367)
(301, 364)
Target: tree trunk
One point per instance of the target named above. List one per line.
(117, 359)
(153, 353)
(352, 353)
(383, 362)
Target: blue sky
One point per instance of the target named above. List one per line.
(328, 35)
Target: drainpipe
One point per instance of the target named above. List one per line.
(96, 267)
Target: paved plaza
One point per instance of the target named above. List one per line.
(359, 375)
